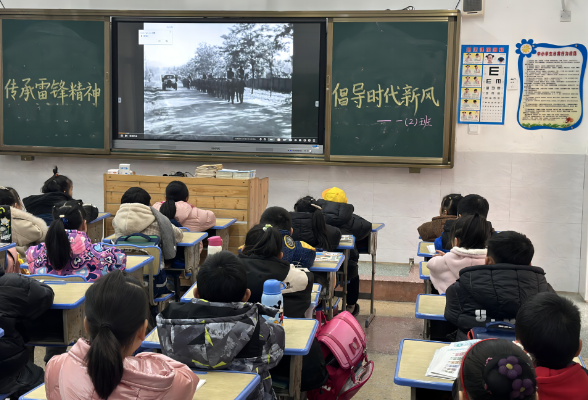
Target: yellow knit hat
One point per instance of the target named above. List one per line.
(335, 195)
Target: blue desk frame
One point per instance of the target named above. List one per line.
(346, 251)
(426, 256)
(413, 384)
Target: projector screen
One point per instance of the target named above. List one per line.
(223, 85)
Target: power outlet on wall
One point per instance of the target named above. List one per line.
(473, 129)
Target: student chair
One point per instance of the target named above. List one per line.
(151, 270)
(50, 277)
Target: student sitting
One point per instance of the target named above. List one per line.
(548, 327)
(21, 299)
(429, 231)
(68, 250)
(469, 205)
(27, 229)
(221, 328)
(308, 225)
(470, 235)
(301, 254)
(57, 189)
(482, 376)
(104, 367)
(135, 215)
(495, 291)
(176, 207)
(340, 214)
(262, 258)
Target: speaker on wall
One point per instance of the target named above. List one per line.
(473, 7)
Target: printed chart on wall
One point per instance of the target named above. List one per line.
(552, 78)
(482, 80)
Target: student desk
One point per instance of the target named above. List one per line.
(220, 385)
(4, 247)
(69, 297)
(372, 249)
(222, 230)
(96, 227)
(299, 336)
(135, 266)
(425, 275)
(331, 267)
(316, 292)
(423, 251)
(430, 307)
(346, 246)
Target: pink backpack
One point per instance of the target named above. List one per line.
(343, 343)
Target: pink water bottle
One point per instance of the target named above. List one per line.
(215, 245)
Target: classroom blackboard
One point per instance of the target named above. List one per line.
(390, 98)
(54, 91)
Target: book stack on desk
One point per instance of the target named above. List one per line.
(207, 171)
(447, 360)
(327, 257)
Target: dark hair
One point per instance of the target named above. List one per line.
(175, 191)
(277, 217)
(66, 215)
(450, 202)
(112, 328)
(511, 248)
(136, 195)
(480, 371)
(57, 183)
(473, 204)
(548, 326)
(263, 240)
(6, 197)
(472, 231)
(222, 278)
(16, 196)
(319, 226)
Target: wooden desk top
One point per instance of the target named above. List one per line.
(425, 273)
(219, 386)
(413, 360)
(430, 306)
(68, 295)
(376, 226)
(423, 251)
(224, 223)
(192, 238)
(136, 262)
(299, 335)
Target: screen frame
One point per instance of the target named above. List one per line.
(251, 147)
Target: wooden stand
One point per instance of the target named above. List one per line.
(243, 199)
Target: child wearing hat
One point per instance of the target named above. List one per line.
(340, 214)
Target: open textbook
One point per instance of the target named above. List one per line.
(447, 360)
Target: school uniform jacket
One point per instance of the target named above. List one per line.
(341, 216)
(302, 230)
(484, 293)
(21, 299)
(298, 282)
(301, 254)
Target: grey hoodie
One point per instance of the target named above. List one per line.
(231, 336)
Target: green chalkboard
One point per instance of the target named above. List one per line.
(53, 80)
(388, 91)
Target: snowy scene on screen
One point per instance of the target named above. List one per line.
(217, 82)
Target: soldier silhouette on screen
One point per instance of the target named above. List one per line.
(240, 90)
(241, 72)
(230, 73)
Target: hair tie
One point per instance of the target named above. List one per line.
(64, 220)
(266, 226)
(105, 326)
(510, 367)
(317, 207)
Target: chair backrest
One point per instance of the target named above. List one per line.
(51, 277)
(154, 266)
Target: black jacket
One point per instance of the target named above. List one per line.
(341, 216)
(302, 227)
(445, 236)
(41, 205)
(298, 282)
(486, 293)
(21, 300)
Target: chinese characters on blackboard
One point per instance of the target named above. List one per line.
(42, 89)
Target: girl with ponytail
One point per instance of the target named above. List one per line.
(95, 368)
(308, 224)
(176, 207)
(262, 258)
(469, 235)
(68, 250)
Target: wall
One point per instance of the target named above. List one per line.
(534, 181)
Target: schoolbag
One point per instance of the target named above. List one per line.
(343, 343)
(493, 330)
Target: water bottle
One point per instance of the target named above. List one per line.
(215, 245)
(272, 296)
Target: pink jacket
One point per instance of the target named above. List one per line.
(148, 376)
(195, 219)
(445, 269)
